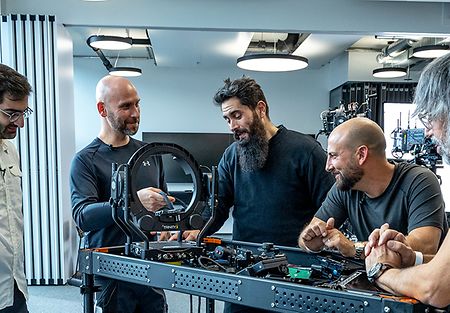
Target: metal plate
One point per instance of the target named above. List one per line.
(294, 300)
(227, 288)
(125, 269)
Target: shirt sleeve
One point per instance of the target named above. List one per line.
(426, 205)
(88, 213)
(333, 206)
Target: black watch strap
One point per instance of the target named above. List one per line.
(359, 250)
(377, 270)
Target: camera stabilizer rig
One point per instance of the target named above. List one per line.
(137, 222)
(413, 141)
(333, 118)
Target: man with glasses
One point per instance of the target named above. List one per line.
(387, 248)
(14, 92)
(370, 191)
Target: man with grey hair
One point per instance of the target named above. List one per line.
(118, 105)
(427, 282)
(14, 92)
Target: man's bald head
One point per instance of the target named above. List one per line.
(360, 131)
(110, 87)
(118, 104)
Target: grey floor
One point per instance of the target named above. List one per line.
(67, 299)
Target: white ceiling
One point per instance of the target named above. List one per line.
(205, 33)
(210, 48)
(213, 48)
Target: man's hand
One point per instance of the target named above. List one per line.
(337, 240)
(152, 200)
(382, 254)
(313, 235)
(164, 236)
(407, 254)
(394, 241)
(374, 238)
(187, 235)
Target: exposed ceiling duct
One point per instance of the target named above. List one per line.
(399, 53)
(393, 50)
(288, 45)
(275, 55)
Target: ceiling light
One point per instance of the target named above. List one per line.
(125, 71)
(389, 72)
(431, 51)
(272, 62)
(109, 42)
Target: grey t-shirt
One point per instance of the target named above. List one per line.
(413, 199)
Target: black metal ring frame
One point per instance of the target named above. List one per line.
(190, 167)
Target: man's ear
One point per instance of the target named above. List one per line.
(261, 108)
(101, 108)
(362, 153)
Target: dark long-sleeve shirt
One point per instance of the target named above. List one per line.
(274, 203)
(90, 186)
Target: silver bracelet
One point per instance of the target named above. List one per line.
(311, 251)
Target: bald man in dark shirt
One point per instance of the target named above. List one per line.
(370, 191)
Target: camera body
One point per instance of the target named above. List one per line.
(333, 118)
(414, 141)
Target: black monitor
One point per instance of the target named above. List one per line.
(207, 149)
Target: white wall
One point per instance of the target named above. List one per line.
(337, 71)
(362, 63)
(180, 100)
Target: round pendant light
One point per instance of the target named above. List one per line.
(109, 42)
(389, 72)
(431, 51)
(125, 71)
(272, 62)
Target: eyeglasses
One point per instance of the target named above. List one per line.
(426, 120)
(13, 117)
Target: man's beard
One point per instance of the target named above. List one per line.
(444, 146)
(349, 178)
(121, 126)
(4, 134)
(253, 151)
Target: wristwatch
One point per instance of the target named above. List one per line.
(359, 250)
(376, 270)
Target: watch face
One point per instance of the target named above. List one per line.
(374, 270)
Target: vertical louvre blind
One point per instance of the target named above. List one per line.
(28, 44)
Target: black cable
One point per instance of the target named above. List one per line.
(77, 275)
(200, 258)
(204, 166)
(199, 304)
(183, 204)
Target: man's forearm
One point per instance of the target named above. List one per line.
(423, 282)
(94, 216)
(424, 239)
